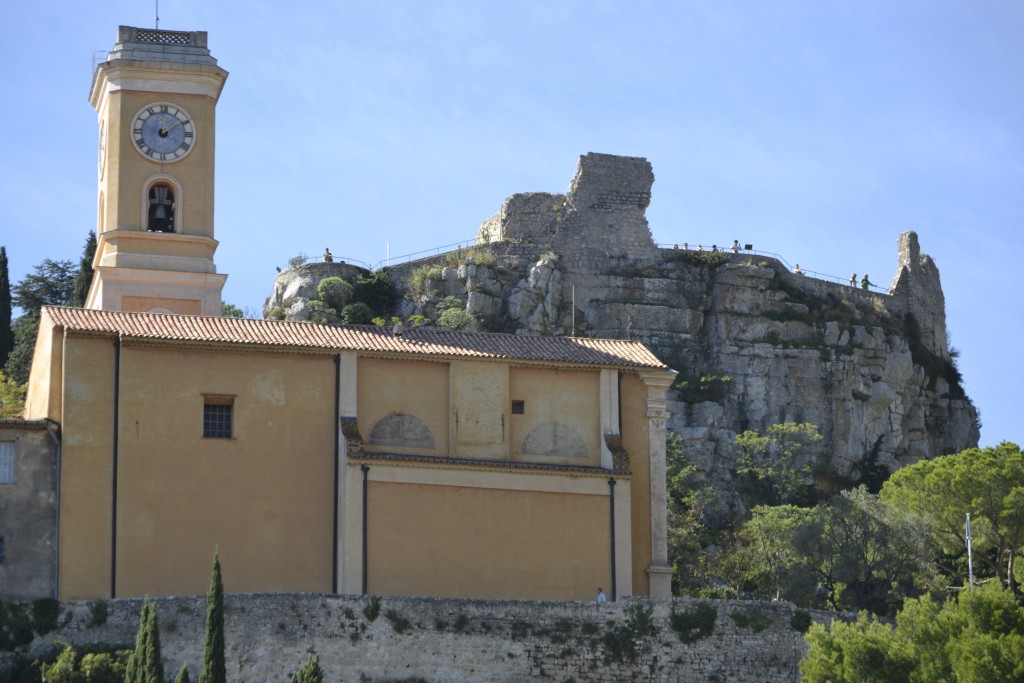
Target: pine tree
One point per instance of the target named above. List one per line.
(83, 279)
(214, 669)
(144, 663)
(182, 676)
(6, 333)
(311, 672)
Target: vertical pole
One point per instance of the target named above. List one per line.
(611, 510)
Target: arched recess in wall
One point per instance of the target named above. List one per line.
(401, 429)
(554, 439)
(161, 204)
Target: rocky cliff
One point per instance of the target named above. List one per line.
(754, 343)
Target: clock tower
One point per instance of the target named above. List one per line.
(156, 97)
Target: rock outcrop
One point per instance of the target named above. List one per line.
(872, 370)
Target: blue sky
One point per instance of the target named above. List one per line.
(815, 130)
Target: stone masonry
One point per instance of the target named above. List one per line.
(440, 640)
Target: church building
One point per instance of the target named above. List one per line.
(311, 457)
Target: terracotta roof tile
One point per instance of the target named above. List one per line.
(419, 341)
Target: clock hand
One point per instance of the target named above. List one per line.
(176, 123)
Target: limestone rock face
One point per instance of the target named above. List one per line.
(872, 371)
(294, 287)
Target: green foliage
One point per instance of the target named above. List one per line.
(97, 613)
(693, 625)
(19, 362)
(987, 483)
(800, 621)
(697, 389)
(851, 552)
(376, 291)
(320, 313)
(12, 397)
(310, 672)
(334, 292)
(357, 314)
(15, 625)
(145, 664)
(6, 331)
(276, 313)
(419, 277)
(83, 278)
(417, 320)
(457, 320)
(182, 676)
(298, 260)
(450, 303)
(709, 259)
(640, 619)
(689, 535)
(754, 619)
(52, 283)
(398, 622)
(95, 663)
(230, 310)
(371, 609)
(977, 637)
(45, 612)
(934, 365)
(461, 622)
(779, 462)
(214, 669)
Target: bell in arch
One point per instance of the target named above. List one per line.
(161, 209)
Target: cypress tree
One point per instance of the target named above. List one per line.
(144, 663)
(6, 332)
(183, 675)
(214, 670)
(83, 279)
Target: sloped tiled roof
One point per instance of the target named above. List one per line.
(367, 338)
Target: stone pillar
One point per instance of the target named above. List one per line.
(659, 570)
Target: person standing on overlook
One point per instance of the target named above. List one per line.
(865, 282)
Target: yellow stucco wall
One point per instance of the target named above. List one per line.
(142, 304)
(44, 389)
(86, 468)
(264, 497)
(635, 440)
(486, 543)
(410, 387)
(570, 398)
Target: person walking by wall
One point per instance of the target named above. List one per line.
(865, 282)
(735, 246)
(601, 599)
(853, 280)
(328, 256)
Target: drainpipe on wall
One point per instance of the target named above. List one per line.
(113, 498)
(611, 510)
(53, 429)
(366, 471)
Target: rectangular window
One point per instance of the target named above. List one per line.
(217, 417)
(518, 407)
(6, 463)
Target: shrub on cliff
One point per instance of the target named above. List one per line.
(311, 672)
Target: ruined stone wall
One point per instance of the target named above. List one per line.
(270, 636)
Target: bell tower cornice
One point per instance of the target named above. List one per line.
(172, 62)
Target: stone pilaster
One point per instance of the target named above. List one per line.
(659, 570)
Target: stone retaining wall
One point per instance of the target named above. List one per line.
(270, 636)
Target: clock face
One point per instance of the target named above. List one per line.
(163, 132)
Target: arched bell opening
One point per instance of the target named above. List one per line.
(161, 208)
